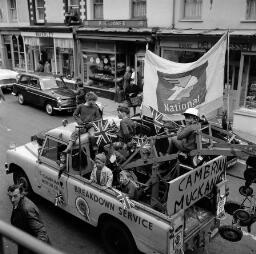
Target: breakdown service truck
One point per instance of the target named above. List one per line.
(179, 210)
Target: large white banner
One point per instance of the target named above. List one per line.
(171, 87)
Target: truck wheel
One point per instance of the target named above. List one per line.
(231, 206)
(49, 109)
(21, 99)
(230, 233)
(20, 178)
(116, 238)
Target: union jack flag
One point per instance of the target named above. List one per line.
(139, 141)
(127, 203)
(59, 199)
(104, 131)
(157, 119)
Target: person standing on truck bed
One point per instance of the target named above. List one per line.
(128, 186)
(101, 174)
(25, 216)
(84, 115)
(185, 141)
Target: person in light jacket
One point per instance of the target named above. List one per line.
(101, 174)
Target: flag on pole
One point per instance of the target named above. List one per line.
(171, 87)
(124, 199)
(157, 119)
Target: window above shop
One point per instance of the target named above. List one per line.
(98, 9)
(139, 9)
(40, 11)
(192, 9)
(250, 10)
(74, 6)
(12, 10)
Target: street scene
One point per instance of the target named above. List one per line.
(127, 126)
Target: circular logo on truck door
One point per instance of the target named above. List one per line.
(83, 208)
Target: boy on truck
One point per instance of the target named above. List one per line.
(84, 115)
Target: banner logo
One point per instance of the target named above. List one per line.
(178, 92)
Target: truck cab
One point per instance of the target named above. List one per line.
(179, 210)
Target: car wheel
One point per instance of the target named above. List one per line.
(230, 233)
(116, 238)
(49, 109)
(20, 177)
(21, 99)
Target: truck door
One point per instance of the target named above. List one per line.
(50, 185)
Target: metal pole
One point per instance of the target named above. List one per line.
(228, 90)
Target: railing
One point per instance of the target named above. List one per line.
(21, 238)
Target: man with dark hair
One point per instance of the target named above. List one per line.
(25, 216)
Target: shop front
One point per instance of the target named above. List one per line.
(55, 48)
(105, 57)
(12, 51)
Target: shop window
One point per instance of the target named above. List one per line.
(139, 8)
(98, 9)
(39, 5)
(21, 53)
(12, 10)
(248, 91)
(192, 9)
(251, 10)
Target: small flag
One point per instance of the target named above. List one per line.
(104, 131)
(139, 141)
(157, 119)
(127, 203)
(59, 200)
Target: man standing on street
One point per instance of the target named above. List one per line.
(25, 216)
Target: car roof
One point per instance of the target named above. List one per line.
(38, 74)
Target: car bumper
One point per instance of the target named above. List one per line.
(64, 108)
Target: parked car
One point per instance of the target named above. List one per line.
(7, 78)
(41, 89)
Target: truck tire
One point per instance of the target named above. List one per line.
(230, 233)
(116, 238)
(19, 177)
(21, 99)
(49, 109)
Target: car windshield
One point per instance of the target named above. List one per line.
(48, 83)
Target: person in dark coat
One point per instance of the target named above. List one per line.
(25, 216)
(40, 66)
(80, 93)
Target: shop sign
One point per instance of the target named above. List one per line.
(115, 23)
(44, 34)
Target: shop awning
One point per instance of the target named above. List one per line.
(170, 32)
(115, 34)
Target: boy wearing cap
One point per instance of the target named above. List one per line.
(185, 141)
(101, 174)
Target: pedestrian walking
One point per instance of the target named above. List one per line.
(1, 95)
(25, 216)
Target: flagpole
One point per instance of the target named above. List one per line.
(228, 90)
